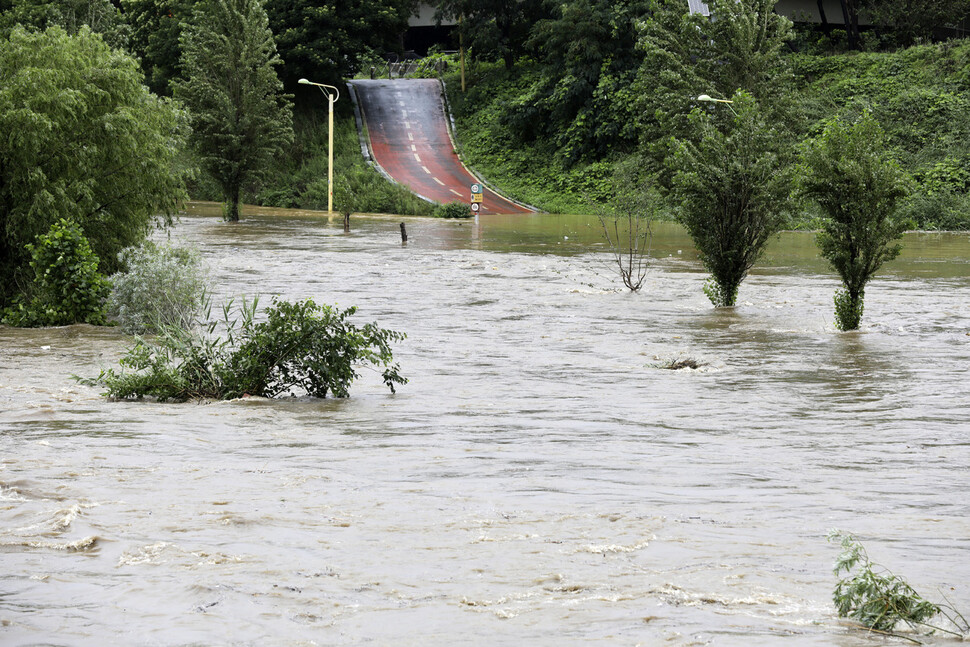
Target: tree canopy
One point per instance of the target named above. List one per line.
(739, 47)
(80, 138)
(850, 173)
(240, 117)
(326, 41)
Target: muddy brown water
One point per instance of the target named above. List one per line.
(538, 482)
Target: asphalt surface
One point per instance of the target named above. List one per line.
(409, 139)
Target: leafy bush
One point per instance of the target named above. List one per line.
(162, 286)
(67, 287)
(879, 599)
(301, 347)
(940, 210)
(453, 210)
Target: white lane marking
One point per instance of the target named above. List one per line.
(401, 102)
(407, 125)
(411, 137)
(437, 180)
(426, 170)
(456, 193)
(414, 148)
(416, 157)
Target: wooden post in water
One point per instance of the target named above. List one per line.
(346, 221)
(404, 234)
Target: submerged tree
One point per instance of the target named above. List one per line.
(849, 171)
(241, 119)
(626, 221)
(731, 189)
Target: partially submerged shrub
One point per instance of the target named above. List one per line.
(679, 363)
(67, 287)
(453, 210)
(302, 347)
(880, 600)
(163, 285)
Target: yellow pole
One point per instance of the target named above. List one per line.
(332, 95)
(330, 162)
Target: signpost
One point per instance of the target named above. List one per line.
(478, 197)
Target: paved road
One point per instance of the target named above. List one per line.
(409, 139)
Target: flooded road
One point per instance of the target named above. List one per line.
(538, 482)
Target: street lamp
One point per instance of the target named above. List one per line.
(708, 98)
(331, 98)
(703, 97)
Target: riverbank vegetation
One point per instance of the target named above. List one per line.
(536, 130)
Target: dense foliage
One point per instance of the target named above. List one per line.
(327, 41)
(156, 27)
(100, 16)
(739, 47)
(494, 29)
(66, 288)
(80, 138)
(731, 188)
(851, 175)
(300, 348)
(241, 120)
(161, 285)
(583, 96)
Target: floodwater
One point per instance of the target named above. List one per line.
(538, 482)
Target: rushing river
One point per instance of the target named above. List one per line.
(538, 482)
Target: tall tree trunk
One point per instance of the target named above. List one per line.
(850, 16)
(231, 207)
(826, 27)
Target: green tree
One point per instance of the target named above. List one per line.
(850, 173)
(156, 26)
(325, 41)
(732, 187)
(494, 29)
(739, 47)
(241, 119)
(80, 138)
(100, 16)
(910, 20)
(583, 96)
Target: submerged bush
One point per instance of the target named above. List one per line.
(67, 287)
(162, 286)
(880, 600)
(301, 348)
(453, 210)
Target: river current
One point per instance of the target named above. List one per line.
(538, 482)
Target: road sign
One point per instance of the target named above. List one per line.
(475, 207)
(476, 188)
(478, 197)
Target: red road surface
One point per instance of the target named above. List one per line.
(409, 139)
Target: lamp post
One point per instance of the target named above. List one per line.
(708, 98)
(331, 98)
